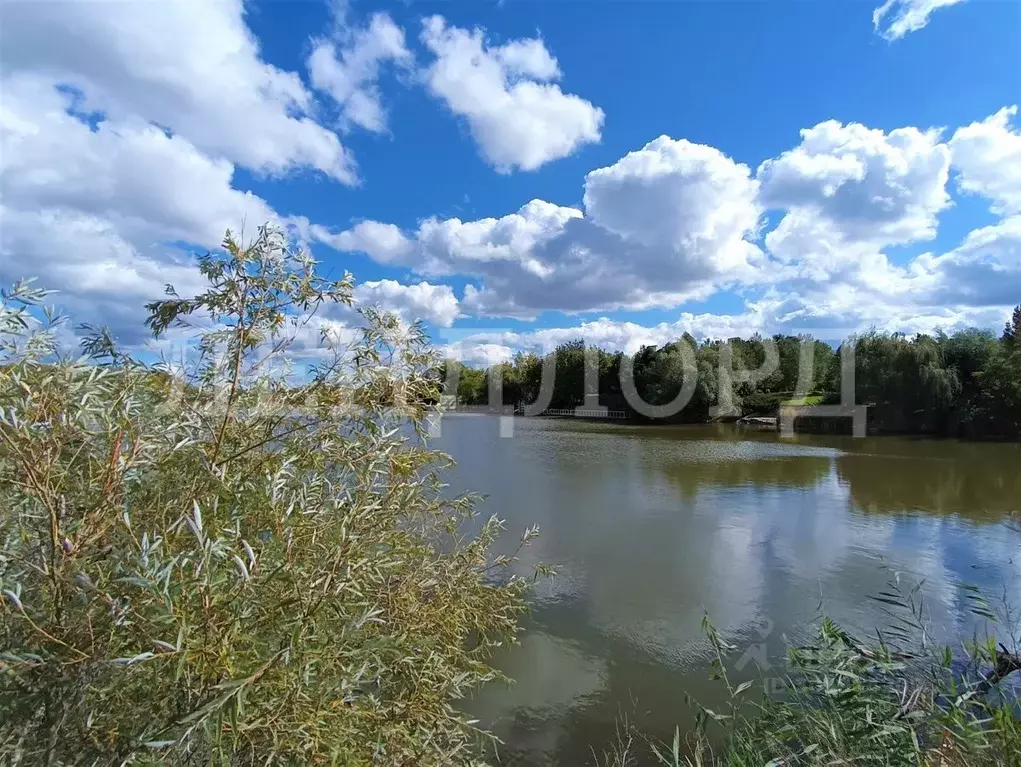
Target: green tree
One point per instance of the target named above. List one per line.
(969, 352)
(610, 394)
(221, 565)
(471, 386)
(1012, 331)
(510, 380)
(998, 402)
(529, 367)
(907, 382)
(569, 384)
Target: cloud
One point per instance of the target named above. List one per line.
(811, 248)
(320, 337)
(831, 315)
(611, 335)
(192, 66)
(834, 310)
(338, 328)
(476, 353)
(384, 243)
(106, 206)
(896, 18)
(101, 277)
(664, 223)
(517, 115)
(987, 157)
(89, 210)
(154, 186)
(850, 192)
(673, 195)
(983, 271)
(676, 221)
(859, 183)
(451, 246)
(348, 69)
(433, 303)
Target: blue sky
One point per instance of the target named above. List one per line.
(820, 170)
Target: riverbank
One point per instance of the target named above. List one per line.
(821, 425)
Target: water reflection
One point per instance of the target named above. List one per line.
(689, 477)
(968, 485)
(648, 528)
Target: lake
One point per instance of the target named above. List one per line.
(650, 526)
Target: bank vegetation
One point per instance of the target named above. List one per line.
(221, 565)
(965, 384)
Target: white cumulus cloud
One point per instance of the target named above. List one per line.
(676, 221)
(676, 195)
(433, 303)
(896, 18)
(664, 223)
(849, 193)
(476, 353)
(828, 312)
(384, 243)
(863, 184)
(517, 114)
(615, 335)
(984, 270)
(987, 156)
(192, 66)
(348, 68)
(88, 211)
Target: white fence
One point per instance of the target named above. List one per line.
(578, 412)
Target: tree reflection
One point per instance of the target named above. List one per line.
(796, 472)
(980, 488)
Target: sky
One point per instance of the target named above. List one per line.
(522, 173)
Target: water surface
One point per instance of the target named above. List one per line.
(648, 527)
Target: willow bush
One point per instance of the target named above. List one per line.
(222, 562)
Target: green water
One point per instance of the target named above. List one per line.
(648, 526)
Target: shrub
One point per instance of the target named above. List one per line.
(225, 563)
(893, 700)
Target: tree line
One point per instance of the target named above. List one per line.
(965, 384)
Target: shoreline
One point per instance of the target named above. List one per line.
(651, 424)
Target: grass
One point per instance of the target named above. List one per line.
(892, 700)
(810, 399)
